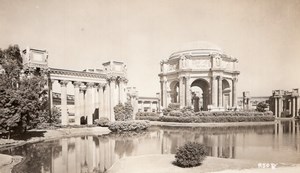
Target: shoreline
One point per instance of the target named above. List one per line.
(226, 124)
(7, 162)
(163, 164)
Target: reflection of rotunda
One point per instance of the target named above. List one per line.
(203, 69)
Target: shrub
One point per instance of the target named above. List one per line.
(139, 114)
(103, 122)
(119, 126)
(205, 119)
(171, 107)
(150, 118)
(176, 113)
(261, 106)
(191, 154)
(123, 113)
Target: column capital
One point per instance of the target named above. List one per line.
(64, 82)
(235, 79)
(90, 84)
(111, 78)
(77, 84)
(101, 85)
(219, 77)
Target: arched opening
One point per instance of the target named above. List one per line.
(174, 86)
(226, 94)
(200, 95)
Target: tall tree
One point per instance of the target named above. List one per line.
(21, 99)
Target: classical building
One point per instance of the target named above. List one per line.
(248, 102)
(206, 69)
(141, 103)
(96, 91)
(285, 103)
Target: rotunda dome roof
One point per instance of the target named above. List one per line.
(197, 47)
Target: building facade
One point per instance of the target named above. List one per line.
(96, 92)
(204, 67)
(285, 103)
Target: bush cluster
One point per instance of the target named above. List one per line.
(119, 126)
(150, 118)
(102, 121)
(171, 107)
(123, 112)
(206, 119)
(145, 114)
(191, 154)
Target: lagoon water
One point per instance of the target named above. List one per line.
(275, 143)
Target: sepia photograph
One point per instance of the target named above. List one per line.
(149, 86)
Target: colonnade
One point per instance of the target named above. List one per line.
(214, 93)
(92, 99)
(288, 103)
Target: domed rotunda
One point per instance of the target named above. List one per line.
(200, 75)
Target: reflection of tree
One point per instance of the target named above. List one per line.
(35, 156)
(124, 141)
(124, 146)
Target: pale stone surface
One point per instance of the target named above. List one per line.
(163, 164)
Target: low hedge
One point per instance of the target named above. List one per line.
(204, 119)
(145, 114)
(150, 118)
(240, 113)
(103, 122)
(119, 126)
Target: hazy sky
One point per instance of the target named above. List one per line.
(263, 34)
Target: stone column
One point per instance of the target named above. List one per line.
(77, 102)
(220, 78)
(164, 94)
(297, 105)
(181, 92)
(101, 100)
(96, 102)
(121, 91)
(280, 106)
(90, 102)
(188, 100)
(276, 107)
(214, 93)
(64, 113)
(106, 101)
(234, 94)
(294, 106)
(50, 95)
(112, 97)
(82, 101)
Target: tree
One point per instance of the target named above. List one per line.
(123, 113)
(22, 100)
(261, 106)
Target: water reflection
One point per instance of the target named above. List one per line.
(277, 142)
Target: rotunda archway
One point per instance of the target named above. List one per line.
(200, 97)
(226, 94)
(174, 86)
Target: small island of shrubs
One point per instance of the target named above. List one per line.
(124, 120)
(190, 155)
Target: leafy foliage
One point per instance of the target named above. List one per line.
(103, 122)
(171, 107)
(261, 106)
(191, 154)
(22, 100)
(123, 113)
(119, 126)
